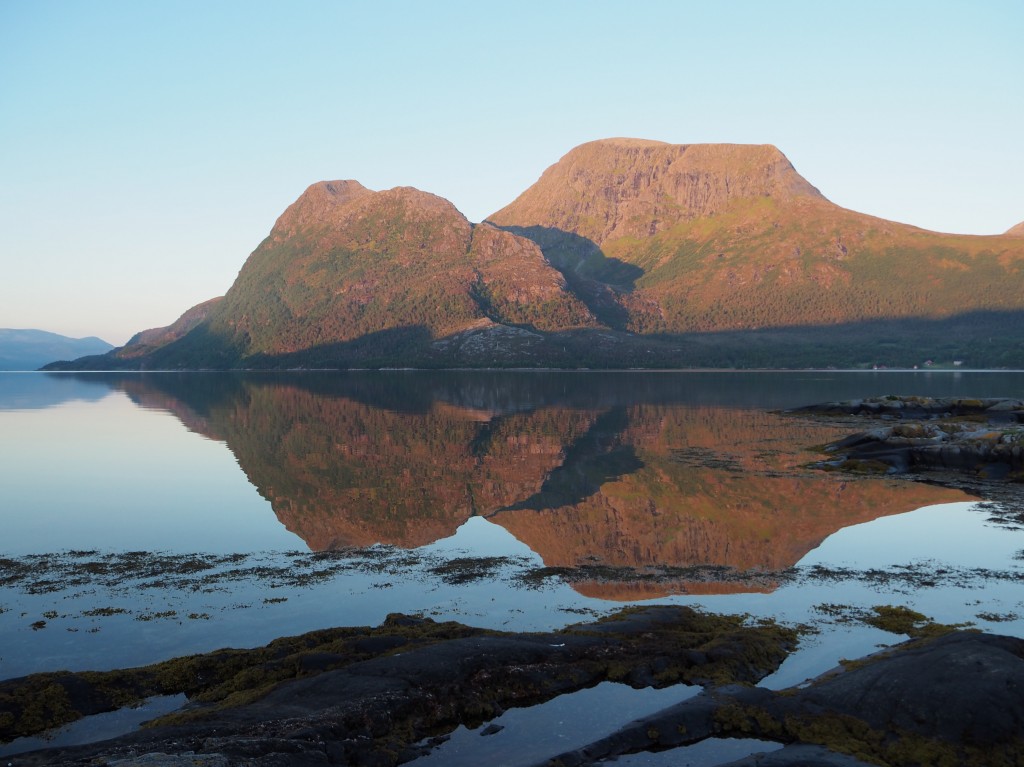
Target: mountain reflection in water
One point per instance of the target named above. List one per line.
(616, 470)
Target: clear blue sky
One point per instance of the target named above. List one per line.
(146, 147)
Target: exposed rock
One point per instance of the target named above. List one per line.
(954, 700)
(371, 697)
(187, 759)
(979, 436)
(360, 696)
(905, 407)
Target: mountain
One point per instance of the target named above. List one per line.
(625, 253)
(664, 238)
(1016, 231)
(361, 277)
(31, 349)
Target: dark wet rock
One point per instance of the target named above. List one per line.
(957, 699)
(187, 759)
(954, 699)
(968, 688)
(800, 755)
(913, 407)
(269, 707)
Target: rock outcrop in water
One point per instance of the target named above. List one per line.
(983, 437)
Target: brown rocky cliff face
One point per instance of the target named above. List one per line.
(662, 238)
(518, 286)
(630, 187)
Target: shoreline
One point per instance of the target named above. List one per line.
(386, 695)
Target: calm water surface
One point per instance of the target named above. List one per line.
(152, 515)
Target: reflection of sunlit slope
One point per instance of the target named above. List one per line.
(642, 485)
(339, 473)
(716, 487)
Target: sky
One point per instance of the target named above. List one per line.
(146, 148)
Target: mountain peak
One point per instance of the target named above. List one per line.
(335, 204)
(619, 187)
(317, 204)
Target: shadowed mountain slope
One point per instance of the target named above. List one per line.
(147, 341)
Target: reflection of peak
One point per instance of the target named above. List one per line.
(647, 485)
(593, 459)
(747, 505)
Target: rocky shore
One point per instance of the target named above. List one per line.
(385, 695)
(979, 437)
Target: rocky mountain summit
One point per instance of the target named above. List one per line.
(625, 253)
(622, 187)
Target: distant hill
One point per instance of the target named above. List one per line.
(1016, 231)
(625, 253)
(31, 349)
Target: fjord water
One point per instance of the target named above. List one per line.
(150, 515)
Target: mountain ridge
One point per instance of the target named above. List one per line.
(624, 253)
